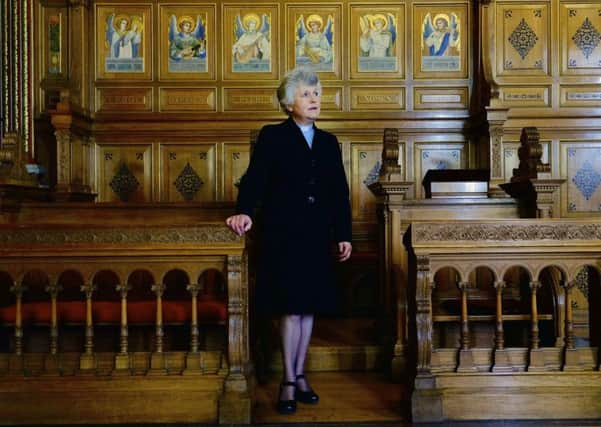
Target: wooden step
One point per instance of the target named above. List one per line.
(344, 397)
(321, 358)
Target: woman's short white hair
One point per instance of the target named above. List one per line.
(291, 81)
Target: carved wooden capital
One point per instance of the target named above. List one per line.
(18, 289)
(53, 289)
(535, 285)
(158, 289)
(193, 288)
(500, 285)
(88, 289)
(464, 286)
(123, 289)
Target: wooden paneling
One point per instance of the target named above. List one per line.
(377, 98)
(124, 169)
(235, 162)
(526, 97)
(580, 29)
(250, 99)
(366, 160)
(188, 99)
(188, 173)
(124, 99)
(429, 98)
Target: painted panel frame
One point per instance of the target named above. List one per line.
(123, 41)
(314, 38)
(187, 42)
(440, 49)
(377, 41)
(55, 45)
(250, 41)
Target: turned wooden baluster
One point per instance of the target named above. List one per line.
(123, 289)
(89, 289)
(158, 289)
(499, 333)
(465, 330)
(194, 288)
(569, 325)
(53, 289)
(18, 289)
(534, 339)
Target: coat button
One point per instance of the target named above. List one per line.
(310, 200)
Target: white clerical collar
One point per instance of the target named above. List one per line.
(305, 128)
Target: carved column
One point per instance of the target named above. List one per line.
(537, 361)
(423, 320)
(235, 404)
(87, 362)
(69, 184)
(390, 190)
(157, 359)
(571, 355)
(16, 359)
(547, 197)
(51, 362)
(466, 359)
(501, 358)
(496, 116)
(193, 358)
(122, 358)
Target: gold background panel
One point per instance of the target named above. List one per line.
(175, 158)
(250, 99)
(390, 98)
(332, 98)
(580, 96)
(579, 53)
(524, 39)
(123, 99)
(438, 98)
(54, 58)
(525, 96)
(235, 161)
(187, 99)
(137, 158)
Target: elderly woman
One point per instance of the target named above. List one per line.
(297, 176)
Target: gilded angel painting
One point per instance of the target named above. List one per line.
(187, 44)
(377, 49)
(251, 51)
(441, 42)
(315, 42)
(123, 41)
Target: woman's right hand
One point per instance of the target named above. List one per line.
(239, 224)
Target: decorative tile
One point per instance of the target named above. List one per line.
(124, 183)
(523, 38)
(587, 180)
(587, 38)
(188, 182)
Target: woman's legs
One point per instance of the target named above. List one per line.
(295, 332)
(290, 331)
(306, 327)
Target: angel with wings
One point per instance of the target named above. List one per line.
(187, 39)
(314, 44)
(123, 36)
(441, 34)
(378, 35)
(252, 38)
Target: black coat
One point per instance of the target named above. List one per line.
(304, 198)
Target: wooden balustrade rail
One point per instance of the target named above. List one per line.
(536, 247)
(185, 239)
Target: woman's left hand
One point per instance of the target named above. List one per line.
(344, 251)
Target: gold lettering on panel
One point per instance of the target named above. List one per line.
(188, 99)
(250, 99)
(120, 99)
(525, 96)
(378, 98)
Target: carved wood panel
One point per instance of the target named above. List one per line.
(580, 39)
(365, 167)
(188, 172)
(124, 172)
(235, 161)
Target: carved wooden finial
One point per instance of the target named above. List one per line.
(390, 153)
(530, 154)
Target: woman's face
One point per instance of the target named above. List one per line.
(307, 104)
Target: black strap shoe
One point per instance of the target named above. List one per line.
(286, 406)
(309, 396)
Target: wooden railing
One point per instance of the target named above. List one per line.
(493, 305)
(176, 275)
